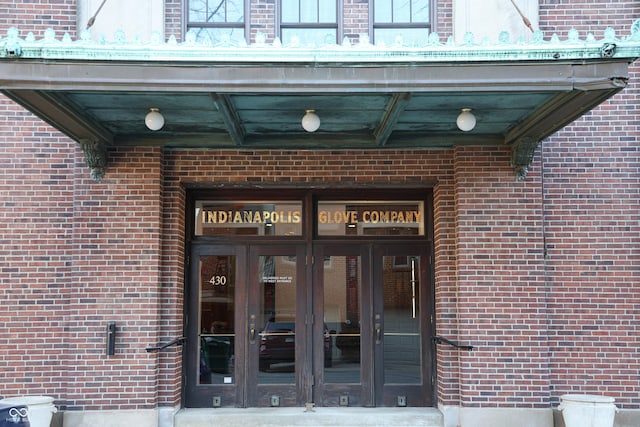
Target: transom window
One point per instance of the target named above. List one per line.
(401, 22)
(310, 23)
(218, 22)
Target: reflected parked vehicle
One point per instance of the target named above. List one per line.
(278, 345)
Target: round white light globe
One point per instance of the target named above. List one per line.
(154, 120)
(310, 121)
(466, 120)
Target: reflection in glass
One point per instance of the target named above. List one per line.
(276, 359)
(402, 355)
(217, 331)
(342, 284)
(310, 37)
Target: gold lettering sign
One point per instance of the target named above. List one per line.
(214, 216)
(369, 217)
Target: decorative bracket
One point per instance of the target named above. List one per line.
(522, 153)
(95, 154)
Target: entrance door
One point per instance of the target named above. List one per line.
(402, 307)
(215, 322)
(277, 361)
(247, 327)
(375, 302)
(287, 324)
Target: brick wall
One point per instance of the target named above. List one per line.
(36, 225)
(36, 213)
(591, 187)
(541, 276)
(500, 282)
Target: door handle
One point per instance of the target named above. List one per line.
(252, 328)
(378, 333)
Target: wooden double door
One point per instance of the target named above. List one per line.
(334, 324)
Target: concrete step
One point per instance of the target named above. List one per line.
(318, 417)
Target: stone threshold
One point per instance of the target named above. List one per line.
(318, 417)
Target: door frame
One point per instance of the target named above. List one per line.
(310, 376)
(197, 395)
(387, 395)
(259, 394)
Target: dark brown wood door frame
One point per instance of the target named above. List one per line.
(422, 394)
(202, 395)
(260, 395)
(358, 394)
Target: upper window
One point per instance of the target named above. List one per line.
(217, 21)
(401, 22)
(310, 23)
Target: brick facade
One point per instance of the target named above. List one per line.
(541, 276)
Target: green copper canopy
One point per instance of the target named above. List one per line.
(367, 97)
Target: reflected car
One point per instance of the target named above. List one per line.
(278, 345)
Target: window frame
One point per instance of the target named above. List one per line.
(338, 25)
(187, 24)
(429, 26)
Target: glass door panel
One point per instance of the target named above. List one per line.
(276, 338)
(217, 313)
(214, 348)
(401, 313)
(402, 301)
(342, 359)
(277, 315)
(342, 319)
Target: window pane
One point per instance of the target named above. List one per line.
(370, 218)
(290, 11)
(309, 11)
(215, 36)
(328, 11)
(310, 37)
(217, 329)
(411, 37)
(216, 11)
(382, 11)
(402, 345)
(235, 11)
(198, 10)
(420, 12)
(342, 290)
(228, 218)
(276, 360)
(402, 11)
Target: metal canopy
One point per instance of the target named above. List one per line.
(367, 97)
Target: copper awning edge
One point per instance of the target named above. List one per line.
(434, 50)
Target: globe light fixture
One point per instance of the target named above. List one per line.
(154, 120)
(466, 120)
(310, 121)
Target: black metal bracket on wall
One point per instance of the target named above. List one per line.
(442, 340)
(177, 342)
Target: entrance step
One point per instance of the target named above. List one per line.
(286, 417)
